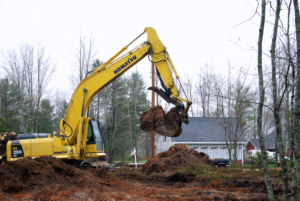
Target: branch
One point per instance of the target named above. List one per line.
(244, 101)
(250, 17)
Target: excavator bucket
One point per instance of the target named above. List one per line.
(165, 124)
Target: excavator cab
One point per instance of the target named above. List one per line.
(94, 135)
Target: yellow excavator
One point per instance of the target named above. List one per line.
(80, 137)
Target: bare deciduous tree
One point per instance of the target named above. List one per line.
(261, 102)
(204, 89)
(277, 104)
(235, 104)
(297, 99)
(189, 87)
(84, 57)
(30, 70)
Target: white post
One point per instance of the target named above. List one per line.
(135, 157)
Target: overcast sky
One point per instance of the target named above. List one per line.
(195, 32)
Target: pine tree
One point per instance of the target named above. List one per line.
(45, 124)
(9, 105)
(136, 104)
(115, 124)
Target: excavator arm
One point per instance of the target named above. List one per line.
(117, 65)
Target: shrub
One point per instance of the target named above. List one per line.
(256, 161)
(199, 169)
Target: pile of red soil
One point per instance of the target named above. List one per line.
(46, 176)
(176, 158)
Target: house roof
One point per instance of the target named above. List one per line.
(270, 140)
(206, 129)
(255, 142)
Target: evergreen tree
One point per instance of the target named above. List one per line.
(9, 105)
(115, 124)
(3, 127)
(4, 109)
(95, 107)
(59, 111)
(45, 124)
(122, 103)
(136, 104)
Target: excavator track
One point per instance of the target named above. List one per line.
(86, 165)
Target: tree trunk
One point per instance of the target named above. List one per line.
(291, 119)
(261, 102)
(297, 101)
(276, 103)
(292, 135)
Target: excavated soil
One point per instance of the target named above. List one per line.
(48, 178)
(151, 117)
(166, 124)
(162, 178)
(175, 159)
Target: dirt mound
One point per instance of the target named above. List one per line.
(48, 178)
(176, 158)
(27, 174)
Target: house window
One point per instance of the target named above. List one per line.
(203, 147)
(193, 146)
(223, 147)
(213, 147)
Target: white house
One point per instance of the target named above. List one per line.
(208, 135)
